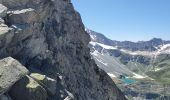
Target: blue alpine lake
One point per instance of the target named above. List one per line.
(128, 81)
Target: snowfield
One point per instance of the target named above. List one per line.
(102, 45)
(137, 76)
(163, 49)
(111, 75)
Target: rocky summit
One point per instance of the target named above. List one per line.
(45, 54)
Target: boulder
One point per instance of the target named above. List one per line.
(19, 3)
(3, 28)
(1, 21)
(48, 83)
(6, 34)
(5, 97)
(23, 16)
(27, 89)
(10, 72)
(3, 10)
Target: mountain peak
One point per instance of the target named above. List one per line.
(128, 45)
(156, 39)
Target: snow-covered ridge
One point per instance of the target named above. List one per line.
(162, 49)
(102, 45)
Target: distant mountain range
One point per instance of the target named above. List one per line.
(151, 45)
(128, 56)
(143, 60)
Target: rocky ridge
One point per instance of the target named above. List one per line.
(150, 46)
(48, 38)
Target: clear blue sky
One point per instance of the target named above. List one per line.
(132, 20)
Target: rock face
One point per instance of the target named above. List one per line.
(5, 97)
(49, 36)
(48, 83)
(10, 72)
(3, 10)
(27, 89)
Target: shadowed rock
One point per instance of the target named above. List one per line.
(27, 89)
(50, 36)
(3, 10)
(5, 97)
(10, 72)
(48, 83)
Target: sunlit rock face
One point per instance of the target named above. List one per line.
(48, 36)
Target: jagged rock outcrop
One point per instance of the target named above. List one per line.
(27, 89)
(48, 83)
(10, 72)
(5, 97)
(3, 10)
(48, 36)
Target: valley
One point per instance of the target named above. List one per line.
(141, 70)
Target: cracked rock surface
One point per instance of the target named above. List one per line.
(48, 37)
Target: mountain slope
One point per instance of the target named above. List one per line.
(137, 60)
(151, 45)
(137, 67)
(47, 36)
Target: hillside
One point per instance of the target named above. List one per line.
(144, 64)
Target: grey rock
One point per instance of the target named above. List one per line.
(48, 83)
(1, 21)
(54, 41)
(10, 72)
(3, 29)
(3, 10)
(27, 89)
(13, 4)
(5, 97)
(6, 35)
(23, 16)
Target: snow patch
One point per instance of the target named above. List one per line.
(95, 53)
(157, 69)
(138, 76)
(111, 75)
(102, 45)
(164, 46)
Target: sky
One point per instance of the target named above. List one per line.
(132, 20)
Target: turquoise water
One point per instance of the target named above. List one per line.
(128, 81)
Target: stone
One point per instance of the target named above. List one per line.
(48, 83)
(27, 89)
(5, 97)
(2, 21)
(3, 29)
(3, 11)
(10, 72)
(6, 35)
(13, 4)
(23, 16)
(54, 26)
